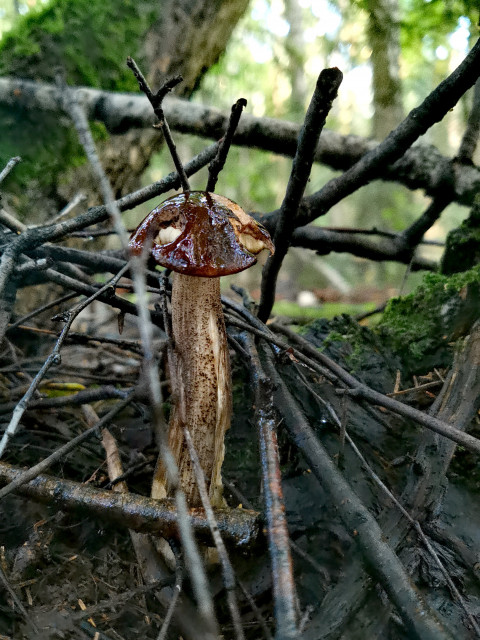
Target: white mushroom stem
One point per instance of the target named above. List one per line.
(201, 386)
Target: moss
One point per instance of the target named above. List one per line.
(357, 348)
(421, 326)
(462, 248)
(89, 41)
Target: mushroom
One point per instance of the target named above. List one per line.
(200, 236)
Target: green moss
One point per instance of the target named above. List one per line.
(421, 326)
(355, 347)
(462, 248)
(89, 41)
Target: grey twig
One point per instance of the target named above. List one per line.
(53, 358)
(278, 538)
(11, 164)
(193, 560)
(227, 569)
(218, 162)
(156, 100)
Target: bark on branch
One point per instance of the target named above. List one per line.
(239, 527)
(417, 169)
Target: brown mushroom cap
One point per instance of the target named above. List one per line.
(201, 234)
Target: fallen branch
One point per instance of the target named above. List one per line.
(123, 111)
(239, 527)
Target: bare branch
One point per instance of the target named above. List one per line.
(417, 169)
(325, 93)
(156, 100)
(145, 515)
(218, 162)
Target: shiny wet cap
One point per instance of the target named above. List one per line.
(201, 234)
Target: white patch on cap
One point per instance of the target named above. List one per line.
(167, 235)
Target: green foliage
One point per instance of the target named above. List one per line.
(432, 21)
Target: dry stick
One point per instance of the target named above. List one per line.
(372, 164)
(421, 622)
(74, 202)
(227, 569)
(156, 100)
(80, 397)
(11, 164)
(282, 571)
(239, 527)
(325, 92)
(194, 563)
(324, 241)
(218, 162)
(445, 193)
(171, 608)
(359, 390)
(53, 358)
(25, 476)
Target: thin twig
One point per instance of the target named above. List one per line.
(278, 538)
(25, 476)
(325, 92)
(70, 206)
(53, 358)
(170, 611)
(227, 569)
(218, 162)
(11, 164)
(41, 309)
(156, 100)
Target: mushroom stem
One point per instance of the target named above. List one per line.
(201, 386)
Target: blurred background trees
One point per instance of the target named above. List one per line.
(392, 53)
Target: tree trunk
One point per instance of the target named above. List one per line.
(384, 39)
